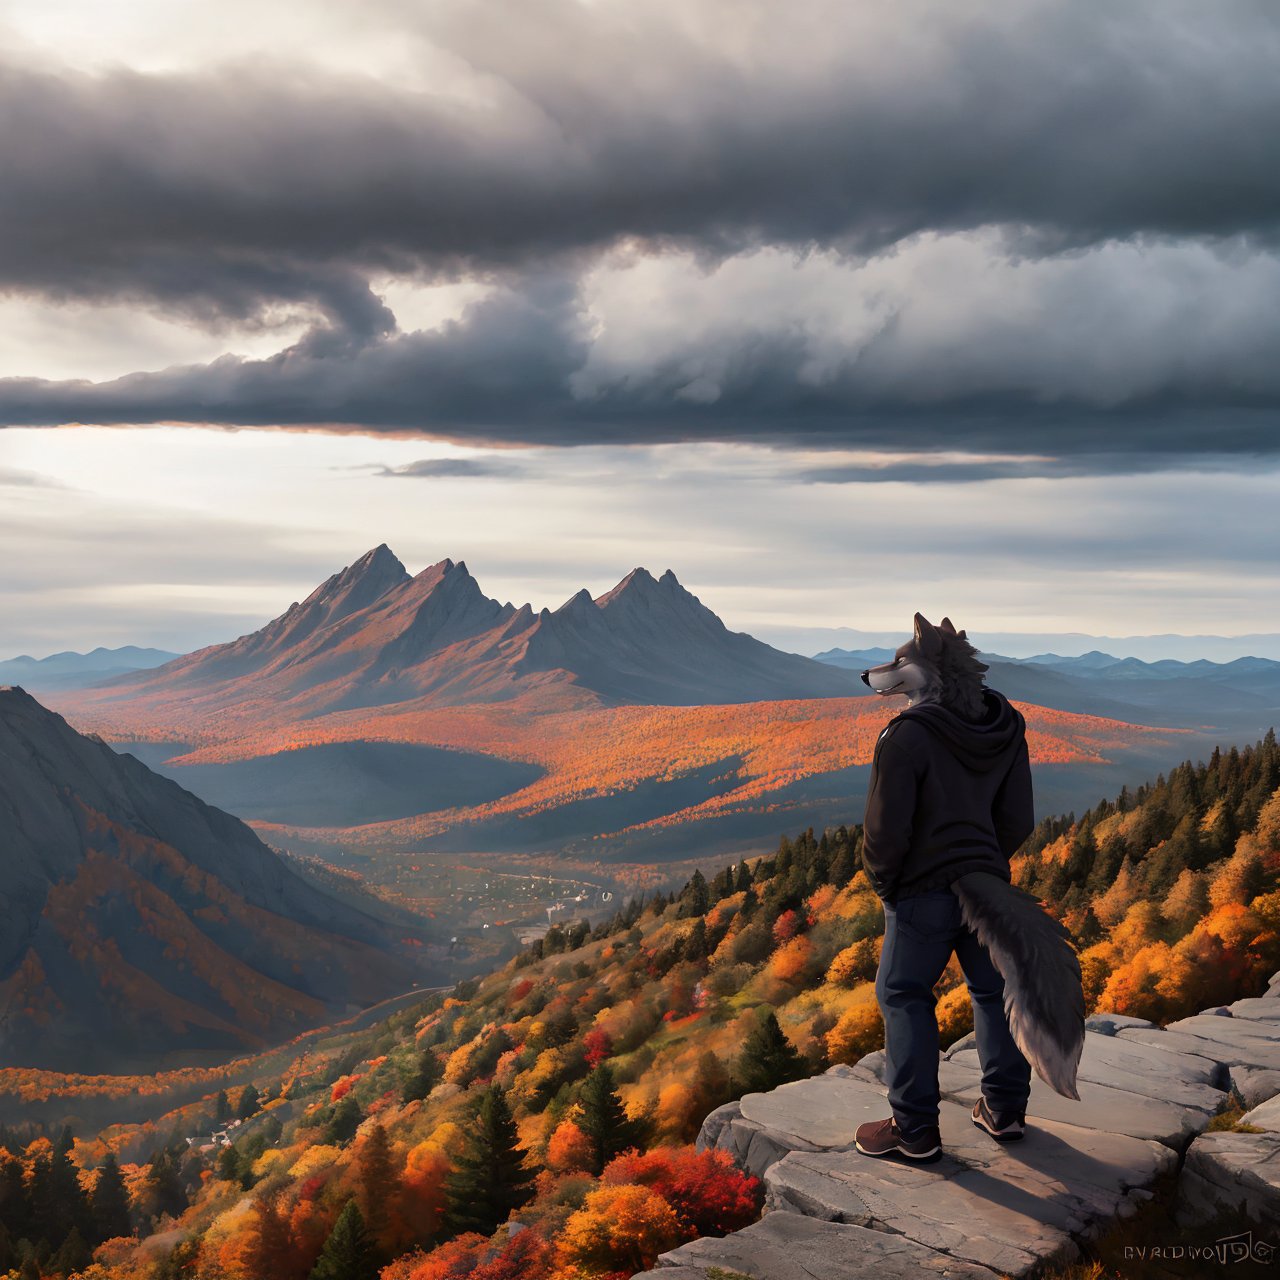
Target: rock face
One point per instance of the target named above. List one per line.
(137, 920)
(987, 1208)
(371, 635)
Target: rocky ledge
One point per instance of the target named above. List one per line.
(991, 1209)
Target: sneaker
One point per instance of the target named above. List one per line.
(1003, 1126)
(883, 1137)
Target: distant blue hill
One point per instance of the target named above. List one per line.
(71, 670)
(1243, 694)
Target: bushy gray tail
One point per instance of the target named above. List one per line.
(1043, 995)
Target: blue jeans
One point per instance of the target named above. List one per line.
(920, 933)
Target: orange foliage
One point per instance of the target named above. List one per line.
(793, 961)
(709, 1194)
(618, 1227)
(569, 1149)
(597, 751)
(858, 1031)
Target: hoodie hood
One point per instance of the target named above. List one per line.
(980, 745)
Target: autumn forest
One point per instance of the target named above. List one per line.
(538, 1123)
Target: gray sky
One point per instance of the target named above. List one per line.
(837, 310)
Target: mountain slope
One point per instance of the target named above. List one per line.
(669, 998)
(374, 636)
(137, 920)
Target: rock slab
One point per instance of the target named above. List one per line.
(1231, 1170)
(787, 1246)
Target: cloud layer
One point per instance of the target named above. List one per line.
(1050, 226)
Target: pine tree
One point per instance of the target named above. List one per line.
(425, 1077)
(165, 1186)
(109, 1203)
(268, 1245)
(489, 1180)
(221, 1109)
(695, 945)
(603, 1119)
(14, 1207)
(844, 866)
(348, 1253)
(695, 898)
(377, 1181)
(768, 1058)
(249, 1103)
(722, 885)
(72, 1255)
(344, 1122)
(743, 878)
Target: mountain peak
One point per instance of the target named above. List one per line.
(577, 602)
(639, 582)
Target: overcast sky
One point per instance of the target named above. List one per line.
(838, 310)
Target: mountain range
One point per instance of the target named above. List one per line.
(139, 924)
(1237, 697)
(388, 719)
(70, 670)
(372, 635)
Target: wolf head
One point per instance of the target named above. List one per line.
(938, 664)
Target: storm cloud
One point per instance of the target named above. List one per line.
(1048, 226)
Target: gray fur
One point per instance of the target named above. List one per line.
(1043, 995)
(938, 664)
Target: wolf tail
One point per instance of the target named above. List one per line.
(1043, 994)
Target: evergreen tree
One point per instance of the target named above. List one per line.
(221, 1109)
(344, 1122)
(73, 1255)
(742, 880)
(695, 899)
(695, 945)
(377, 1181)
(425, 1077)
(13, 1197)
(722, 884)
(603, 1119)
(768, 1058)
(348, 1253)
(268, 1251)
(844, 865)
(249, 1103)
(165, 1186)
(489, 1180)
(46, 1214)
(109, 1203)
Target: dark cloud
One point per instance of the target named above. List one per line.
(235, 196)
(221, 194)
(505, 374)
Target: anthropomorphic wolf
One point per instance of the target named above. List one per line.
(948, 802)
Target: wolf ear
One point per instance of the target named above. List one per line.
(926, 635)
(945, 625)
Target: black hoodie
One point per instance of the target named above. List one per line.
(946, 796)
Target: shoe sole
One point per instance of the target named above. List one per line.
(899, 1151)
(1000, 1135)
